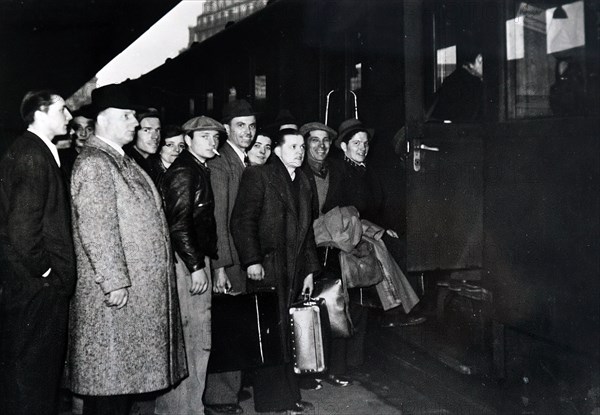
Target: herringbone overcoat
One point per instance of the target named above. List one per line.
(121, 241)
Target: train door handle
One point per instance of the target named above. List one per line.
(418, 147)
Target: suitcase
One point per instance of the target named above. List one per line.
(309, 334)
(245, 332)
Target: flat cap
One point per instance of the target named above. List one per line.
(202, 123)
(312, 126)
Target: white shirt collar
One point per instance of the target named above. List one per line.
(48, 143)
(117, 148)
(240, 153)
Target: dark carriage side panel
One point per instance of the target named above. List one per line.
(542, 251)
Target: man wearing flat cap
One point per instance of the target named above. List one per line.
(189, 206)
(126, 333)
(239, 119)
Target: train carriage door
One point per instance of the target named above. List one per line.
(444, 138)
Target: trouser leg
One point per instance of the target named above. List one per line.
(355, 352)
(275, 388)
(34, 335)
(186, 397)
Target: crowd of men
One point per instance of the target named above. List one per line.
(114, 250)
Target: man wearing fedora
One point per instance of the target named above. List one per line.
(37, 263)
(125, 326)
(239, 119)
(189, 205)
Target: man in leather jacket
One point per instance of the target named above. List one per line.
(189, 205)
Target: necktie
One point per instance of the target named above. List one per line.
(246, 160)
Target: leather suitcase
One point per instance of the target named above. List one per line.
(245, 332)
(310, 335)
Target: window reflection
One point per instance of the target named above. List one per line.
(545, 50)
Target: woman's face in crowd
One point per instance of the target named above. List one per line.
(172, 149)
(261, 150)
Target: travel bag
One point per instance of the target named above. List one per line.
(309, 328)
(245, 331)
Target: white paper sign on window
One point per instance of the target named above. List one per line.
(515, 40)
(563, 34)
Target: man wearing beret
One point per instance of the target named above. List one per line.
(37, 263)
(126, 332)
(221, 395)
(189, 205)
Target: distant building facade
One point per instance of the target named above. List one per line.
(217, 13)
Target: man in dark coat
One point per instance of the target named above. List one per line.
(37, 268)
(460, 97)
(271, 225)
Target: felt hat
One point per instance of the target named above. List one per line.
(350, 127)
(312, 126)
(114, 96)
(237, 108)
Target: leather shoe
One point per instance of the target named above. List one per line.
(227, 408)
(337, 381)
(301, 407)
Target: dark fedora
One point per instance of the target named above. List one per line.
(114, 96)
(350, 127)
(237, 108)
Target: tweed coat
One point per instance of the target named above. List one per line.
(121, 241)
(269, 228)
(225, 175)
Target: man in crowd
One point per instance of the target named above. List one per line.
(81, 128)
(37, 264)
(126, 334)
(271, 224)
(189, 206)
(221, 394)
(147, 138)
(326, 177)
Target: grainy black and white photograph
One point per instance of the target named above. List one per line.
(320, 207)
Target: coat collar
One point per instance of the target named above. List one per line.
(280, 179)
(95, 142)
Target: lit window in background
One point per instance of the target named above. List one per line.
(260, 86)
(210, 101)
(446, 64)
(541, 42)
(356, 80)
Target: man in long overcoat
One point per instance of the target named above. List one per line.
(37, 265)
(271, 225)
(126, 333)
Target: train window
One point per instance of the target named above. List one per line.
(545, 54)
(260, 87)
